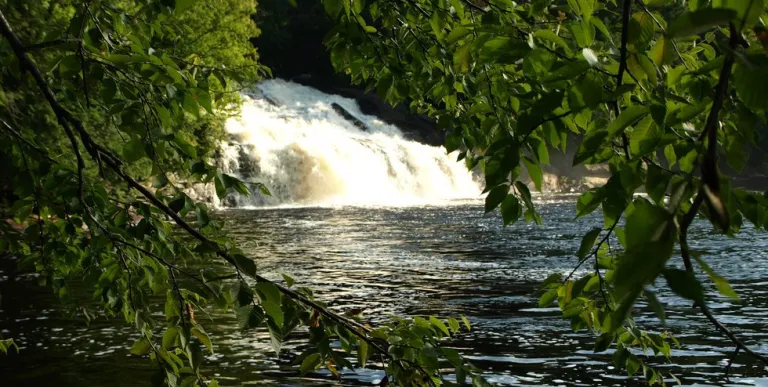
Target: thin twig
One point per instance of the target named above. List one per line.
(50, 43)
(663, 30)
(730, 362)
(623, 67)
(67, 121)
(595, 250)
(26, 142)
(711, 131)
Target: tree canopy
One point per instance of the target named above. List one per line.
(96, 111)
(659, 90)
(94, 199)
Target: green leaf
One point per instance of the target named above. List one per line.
(466, 322)
(641, 30)
(204, 99)
(245, 264)
(534, 171)
(645, 136)
(190, 105)
(363, 352)
(751, 82)
(495, 197)
(586, 92)
(310, 363)
(656, 306)
(141, 347)
(249, 317)
(701, 20)
(201, 335)
(439, 325)
(333, 7)
(242, 294)
(457, 34)
(454, 325)
(164, 115)
(591, 145)
(511, 210)
(554, 38)
(271, 301)
(603, 29)
(548, 298)
(604, 341)
(461, 57)
(133, 150)
(570, 70)
(627, 117)
(656, 183)
(263, 189)
(185, 146)
(650, 236)
(459, 7)
(169, 337)
(720, 282)
(589, 201)
(275, 337)
(736, 152)
(182, 5)
(159, 181)
(662, 52)
(684, 284)
(554, 278)
(583, 31)
(288, 280)
(633, 364)
(747, 11)
(452, 356)
(587, 242)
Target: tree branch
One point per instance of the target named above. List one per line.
(625, 16)
(26, 142)
(596, 249)
(96, 151)
(664, 30)
(710, 176)
(50, 43)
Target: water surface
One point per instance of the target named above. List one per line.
(444, 260)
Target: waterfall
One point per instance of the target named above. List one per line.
(312, 148)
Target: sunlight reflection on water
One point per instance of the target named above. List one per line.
(445, 260)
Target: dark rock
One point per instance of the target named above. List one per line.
(349, 117)
(416, 127)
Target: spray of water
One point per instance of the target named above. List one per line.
(290, 138)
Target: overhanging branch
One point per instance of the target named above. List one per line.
(710, 176)
(97, 152)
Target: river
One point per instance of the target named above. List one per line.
(446, 260)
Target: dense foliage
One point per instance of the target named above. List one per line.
(659, 90)
(96, 93)
(194, 38)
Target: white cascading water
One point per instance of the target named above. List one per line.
(289, 137)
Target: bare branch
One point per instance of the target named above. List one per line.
(51, 43)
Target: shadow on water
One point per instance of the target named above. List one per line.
(444, 260)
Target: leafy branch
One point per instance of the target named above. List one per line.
(77, 135)
(710, 191)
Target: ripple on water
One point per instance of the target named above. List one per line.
(416, 260)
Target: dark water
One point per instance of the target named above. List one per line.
(445, 260)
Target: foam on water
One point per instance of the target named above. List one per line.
(306, 153)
